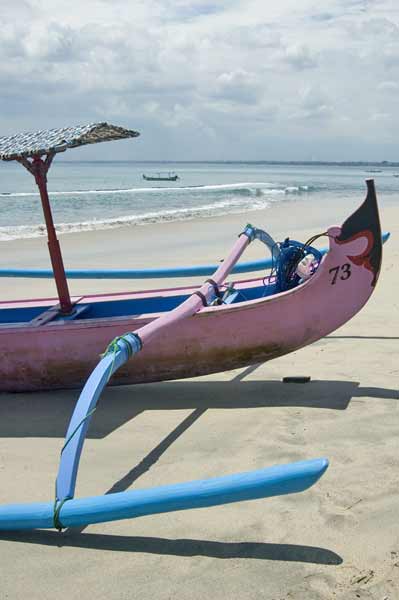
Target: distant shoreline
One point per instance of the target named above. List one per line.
(298, 163)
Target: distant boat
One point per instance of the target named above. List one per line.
(161, 177)
(374, 171)
(396, 174)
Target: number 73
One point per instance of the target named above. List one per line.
(344, 271)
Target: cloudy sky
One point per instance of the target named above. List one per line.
(207, 79)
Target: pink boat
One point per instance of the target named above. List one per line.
(174, 333)
(46, 344)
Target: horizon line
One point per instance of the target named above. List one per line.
(354, 163)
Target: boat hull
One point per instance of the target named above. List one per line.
(217, 338)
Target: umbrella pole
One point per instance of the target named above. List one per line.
(38, 168)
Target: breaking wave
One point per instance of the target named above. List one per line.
(189, 202)
(244, 189)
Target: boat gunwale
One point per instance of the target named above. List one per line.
(148, 317)
(116, 295)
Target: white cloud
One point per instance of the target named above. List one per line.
(280, 70)
(300, 57)
(388, 86)
(238, 86)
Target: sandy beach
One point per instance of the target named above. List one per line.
(340, 539)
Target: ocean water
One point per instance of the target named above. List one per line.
(101, 195)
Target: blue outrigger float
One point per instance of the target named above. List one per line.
(197, 309)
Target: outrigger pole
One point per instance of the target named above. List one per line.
(35, 151)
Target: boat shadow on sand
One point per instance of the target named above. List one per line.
(77, 537)
(49, 418)
(178, 547)
(47, 414)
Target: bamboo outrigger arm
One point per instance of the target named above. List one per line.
(35, 151)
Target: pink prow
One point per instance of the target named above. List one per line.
(216, 338)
